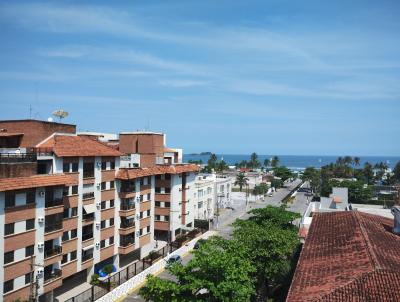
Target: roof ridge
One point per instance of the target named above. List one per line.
(369, 248)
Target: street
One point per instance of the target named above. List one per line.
(227, 217)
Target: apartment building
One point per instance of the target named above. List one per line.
(223, 190)
(74, 204)
(205, 201)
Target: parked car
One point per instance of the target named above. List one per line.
(174, 259)
(198, 243)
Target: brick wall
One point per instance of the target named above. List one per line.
(35, 131)
(18, 170)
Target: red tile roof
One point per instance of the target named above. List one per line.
(157, 170)
(169, 150)
(68, 145)
(17, 183)
(348, 256)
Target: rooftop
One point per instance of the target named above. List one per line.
(348, 256)
(18, 183)
(131, 173)
(71, 145)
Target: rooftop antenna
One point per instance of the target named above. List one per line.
(30, 111)
(60, 114)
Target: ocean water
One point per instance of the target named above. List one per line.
(297, 162)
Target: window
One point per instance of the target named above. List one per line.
(140, 232)
(111, 221)
(102, 224)
(72, 256)
(112, 165)
(65, 236)
(103, 185)
(157, 217)
(167, 204)
(112, 184)
(66, 213)
(111, 203)
(103, 205)
(28, 278)
(148, 196)
(29, 250)
(166, 218)
(141, 198)
(167, 176)
(111, 240)
(158, 204)
(141, 215)
(64, 259)
(167, 190)
(74, 211)
(74, 190)
(148, 229)
(9, 229)
(8, 286)
(103, 165)
(30, 196)
(102, 244)
(65, 167)
(30, 224)
(148, 213)
(75, 167)
(8, 257)
(74, 233)
(9, 199)
(158, 190)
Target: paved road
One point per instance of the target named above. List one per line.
(229, 216)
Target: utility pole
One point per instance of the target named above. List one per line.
(34, 285)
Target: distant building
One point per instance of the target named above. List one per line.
(348, 256)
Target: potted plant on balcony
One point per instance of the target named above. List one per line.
(152, 257)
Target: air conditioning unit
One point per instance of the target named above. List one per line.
(97, 244)
(40, 272)
(40, 219)
(137, 216)
(98, 185)
(137, 233)
(98, 224)
(41, 193)
(98, 203)
(99, 164)
(138, 199)
(40, 245)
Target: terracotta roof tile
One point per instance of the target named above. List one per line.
(157, 170)
(347, 256)
(169, 150)
(17, 183)
(68, 145)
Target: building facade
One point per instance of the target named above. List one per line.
(73, 204)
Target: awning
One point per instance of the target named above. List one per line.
(90, 208)
(86, 248)
(337, 199)
(130, 217)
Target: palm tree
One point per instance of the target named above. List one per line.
(347, 160)
(267, 162)
(356, 161)
(241, 181)
(275, 161)
(221, 166)
(254, 163)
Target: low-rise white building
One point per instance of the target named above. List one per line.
(223, 190)
(204, 197)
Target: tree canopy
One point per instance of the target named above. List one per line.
(241, 181)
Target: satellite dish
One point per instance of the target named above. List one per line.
(50, 119)
(60, 114)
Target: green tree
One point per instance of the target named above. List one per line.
(313, 176)
(356, 161)
(254, 163)
(241, 181)
(219, 271)
(271, 240)
(282, 172)
(267, 163)
(261, 189)
(274, 161)
(221, 166)
(396, 172)
(212, 161)
(368, 173)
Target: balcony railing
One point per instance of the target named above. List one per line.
(18, 158)
(52, 252)
(126, 225)
(127, 241)
(88, 195)
(88, 217)
(50, 227)
(88, 174)
(53, 202)
(87, 257)
(56, 273)
(127, 189)
(87, 236)
(127, 206)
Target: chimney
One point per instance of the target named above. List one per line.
(396, 213)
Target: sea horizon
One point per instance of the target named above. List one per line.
(295, 162)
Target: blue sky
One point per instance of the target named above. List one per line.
(275, 77)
